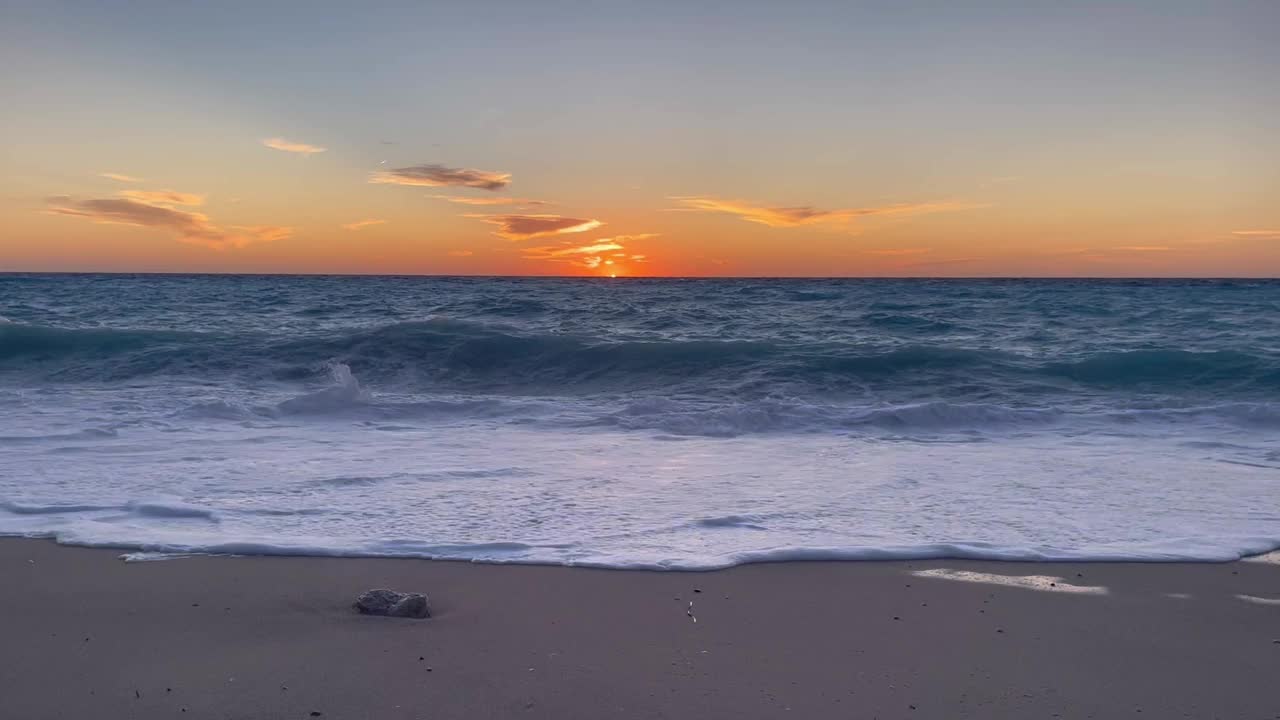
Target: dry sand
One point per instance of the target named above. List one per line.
(85, 635)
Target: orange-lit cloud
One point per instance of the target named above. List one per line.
(897, 251)
(247, 235)
(190, 227)
(489, 200)
(942, 263)
(461, 253)
(1144, 248)
(162, 197)
(363, 224)
(433, 175)
(120, 178)
(277, 143)
(123, 211)
(525, 227)
(808, 215)
(1257, 233)
(590, 255)
(550, 252)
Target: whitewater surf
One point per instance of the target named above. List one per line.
(647, 423)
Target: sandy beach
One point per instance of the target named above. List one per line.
(88, 635)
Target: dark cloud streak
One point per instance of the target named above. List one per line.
(433, 175)
(190, 227)
(524, 227)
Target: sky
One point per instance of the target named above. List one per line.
(642, 138)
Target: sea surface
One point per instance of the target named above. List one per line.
(684, 424)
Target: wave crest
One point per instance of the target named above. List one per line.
(485, 357)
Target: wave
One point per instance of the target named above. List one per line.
(485, 357)
(170, 510)
(772, 416)
(145, 509)
(910, 323)
(347, 397)
(87, 434)
(749, 522)
(18, 340)
(343, 394)
(52, 509)
(1188, 549)
(1154, 367)
(221, 410)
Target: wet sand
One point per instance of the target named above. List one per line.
(86, 635)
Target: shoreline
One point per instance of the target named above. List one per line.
(217, 636)
(937, 552)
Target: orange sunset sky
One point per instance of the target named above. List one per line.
(761, 139)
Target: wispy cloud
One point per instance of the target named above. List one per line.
(525, 227)
(120, 178)
(363, 224)
(279, 143)
(490, 200)
(1257, 233)
(795, 216)
(123, 211)
(592, 254)
(897, 251)
(461, 253)
(190, 227)
(162, 197)
(1144, 248)
(249, 234)
(551, 252)
(432, 175)
(943, 263)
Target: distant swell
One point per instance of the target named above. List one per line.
(1168, 367)
(35, 342)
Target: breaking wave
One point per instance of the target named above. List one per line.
(485, 356)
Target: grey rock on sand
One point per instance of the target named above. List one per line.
(393, 604)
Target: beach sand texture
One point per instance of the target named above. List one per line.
(89, 636)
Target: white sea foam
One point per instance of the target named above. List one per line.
(1271, 558)
(344, 394)
(1041, 583)
(478, 487)
(1256, 600)
(532, 444)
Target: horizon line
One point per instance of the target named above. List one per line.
(641, 277)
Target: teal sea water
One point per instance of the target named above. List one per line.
(642, 423)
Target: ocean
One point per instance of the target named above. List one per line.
(642, 423)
